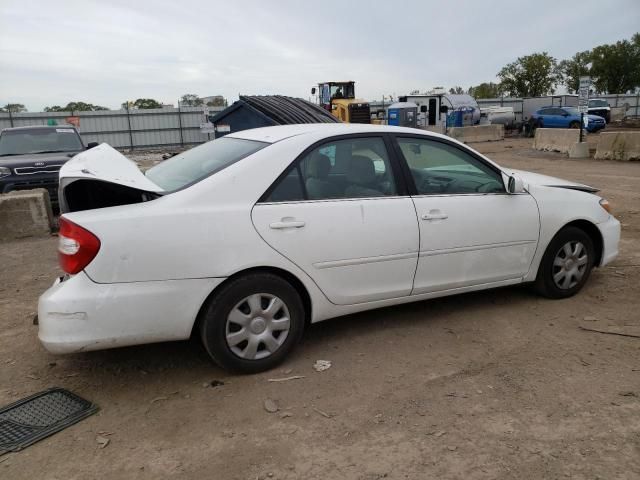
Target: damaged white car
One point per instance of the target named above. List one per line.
(246, 239)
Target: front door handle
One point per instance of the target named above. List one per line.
(435, 215)
(286, 224)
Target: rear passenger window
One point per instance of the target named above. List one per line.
(352, 168)
(289, 189)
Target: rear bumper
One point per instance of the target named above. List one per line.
(78, 314)
(610, 231)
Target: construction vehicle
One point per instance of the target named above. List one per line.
(339, 98)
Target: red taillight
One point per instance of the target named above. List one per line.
(77, 246)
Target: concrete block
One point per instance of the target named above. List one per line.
(477, 133)
(25, 213)
(556, 139)
(579, 150)
(618, 113)
(623, 146)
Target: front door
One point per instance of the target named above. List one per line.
(471, 231)
(339, 214)
(433, 111)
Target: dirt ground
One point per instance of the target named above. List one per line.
(499, 384)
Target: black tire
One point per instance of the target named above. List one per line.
(213, 321)
(574, 125)
(545, 284)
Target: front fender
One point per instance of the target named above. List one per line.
(558, 207)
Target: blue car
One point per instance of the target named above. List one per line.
(565, 117)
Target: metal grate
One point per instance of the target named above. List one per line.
(31, 419)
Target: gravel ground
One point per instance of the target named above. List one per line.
(499, 384)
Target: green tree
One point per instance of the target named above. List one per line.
(530, 76)
(456, 90)
(75, 106)
(486, 90)
(144, 103)
(13, 108)
(218, 101)
(616, 67)
(82, 107)
(190, 100)
(570, 71)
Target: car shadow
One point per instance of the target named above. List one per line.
(191, 359)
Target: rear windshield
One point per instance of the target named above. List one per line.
(598, 103)
(193, 165)
(49, 140)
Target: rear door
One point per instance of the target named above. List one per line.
(546, 114)
(471, 231)
(340, 212)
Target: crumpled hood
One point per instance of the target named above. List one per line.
(547, 181)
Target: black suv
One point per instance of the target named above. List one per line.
(30, 157)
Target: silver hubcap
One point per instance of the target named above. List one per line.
(257, 326)
(570, 265)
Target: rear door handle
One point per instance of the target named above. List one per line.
(287, 224)
(435, 216)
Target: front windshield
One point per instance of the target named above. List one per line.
(200, 162)
(342, 91)
(572, 111)
(598, 103)
(39, 140)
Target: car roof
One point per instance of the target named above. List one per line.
(36, 127)
(281, 132)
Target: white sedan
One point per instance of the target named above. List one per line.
(248, 238)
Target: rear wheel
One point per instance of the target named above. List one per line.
(252, 323)
(566, 264)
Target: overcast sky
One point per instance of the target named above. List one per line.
(105, 52)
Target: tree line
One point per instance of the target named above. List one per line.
(187, 100)
(614, 68)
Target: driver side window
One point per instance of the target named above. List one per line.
(440, 168)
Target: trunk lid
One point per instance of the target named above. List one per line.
(103, 177)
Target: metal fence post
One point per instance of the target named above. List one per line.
(637, 98)
(10, 117)
(180, 124)
(129, 123)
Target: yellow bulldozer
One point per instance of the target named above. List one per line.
(339, 98)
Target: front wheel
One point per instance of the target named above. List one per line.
(566, 264)
(252, 323)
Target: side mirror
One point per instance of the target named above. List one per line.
(313, 90)
(515, 184)
(91, 145)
